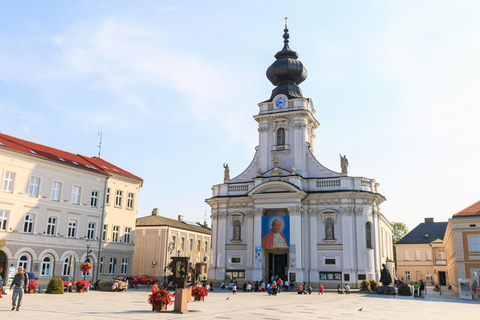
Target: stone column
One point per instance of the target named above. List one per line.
(221, 228)
(249, 238)
(213, 252)
(314, 276)
(257, 273)
(296, 240)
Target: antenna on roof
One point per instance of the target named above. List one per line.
(100, 144)
(205, 218)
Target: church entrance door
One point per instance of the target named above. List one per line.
(278, 265)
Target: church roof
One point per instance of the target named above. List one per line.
(472, 210)
(426, 232)
(159, 221)
(33, 149)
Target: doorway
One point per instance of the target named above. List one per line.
(442, 278)
(277, 265)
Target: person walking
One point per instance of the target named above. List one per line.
(347, 289)
(20, 282)
(234, 288)
(286, 284)
(422, 289)
(321, 289)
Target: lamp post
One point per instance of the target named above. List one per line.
(88, 243)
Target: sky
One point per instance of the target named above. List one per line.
(174, 85)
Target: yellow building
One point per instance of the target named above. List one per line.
(421, 254)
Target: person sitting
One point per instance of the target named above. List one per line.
(115, 286)
(340, 289)
(121, 287)
(274, 289)
(211, 285)
(222, 285)
(437, 288)
(300, 289)
(309, 289)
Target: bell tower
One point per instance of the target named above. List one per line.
(286, 121)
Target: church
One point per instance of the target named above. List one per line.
(287, 215)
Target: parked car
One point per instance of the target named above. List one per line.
(132, 282)
(142, 279)
(67, 283)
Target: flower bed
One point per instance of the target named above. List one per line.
(199, 292)
(82, 285)
(160, 299)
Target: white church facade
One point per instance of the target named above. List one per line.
(289, 216)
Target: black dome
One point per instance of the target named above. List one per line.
(286, 73)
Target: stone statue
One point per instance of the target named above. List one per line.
(344, 163)
(236, 231)
(329, 229)
(275, 159)
(385, 277)
(226, 175)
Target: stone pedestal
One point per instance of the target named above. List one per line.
(181, 299)
(386, 290)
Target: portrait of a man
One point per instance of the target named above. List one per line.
(273, 231)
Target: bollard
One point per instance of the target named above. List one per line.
(39, 289)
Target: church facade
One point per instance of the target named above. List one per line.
(287, 215)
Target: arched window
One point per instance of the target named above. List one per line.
(23, 262)
(280, 137)
(368, 235)
(67, 265)
(46, 266)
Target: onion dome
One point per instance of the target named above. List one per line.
(286, 73)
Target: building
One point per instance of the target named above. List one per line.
(54, 203)
(421, 254)
(159, 238)
(462, 244)
(286, 214)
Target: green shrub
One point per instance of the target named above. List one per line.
(365, 286)
(373, 285)
(404, 290)
(55, 286)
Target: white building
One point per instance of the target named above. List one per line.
(332, 226)
(52, 202)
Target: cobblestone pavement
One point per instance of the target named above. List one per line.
(287, 305)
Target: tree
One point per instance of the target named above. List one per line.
(400, 229)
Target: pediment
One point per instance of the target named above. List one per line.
(274, 187)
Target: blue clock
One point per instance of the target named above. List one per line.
(280, 102)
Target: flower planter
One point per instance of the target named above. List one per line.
(30, 290)
(159, 307)
(80, 290)
(199, 298)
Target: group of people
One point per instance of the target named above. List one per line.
(273, 287)
(342, 290)
(419, 291)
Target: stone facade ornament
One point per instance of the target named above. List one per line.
(226, 175)
(312, 212)
(344, 163)
(237, 216)
(295, 211)
(292, 171)
(259, 172)
(250, 214)
(330, 214)
(346, 211)
(358, 211)
(222, 215)
(258, 212)
(263, 129)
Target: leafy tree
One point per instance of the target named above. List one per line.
(400, 229)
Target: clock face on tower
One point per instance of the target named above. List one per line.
(280, 102)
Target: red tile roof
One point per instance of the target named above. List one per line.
(473, 210)
(76, 160)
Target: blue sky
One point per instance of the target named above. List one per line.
(174, 86)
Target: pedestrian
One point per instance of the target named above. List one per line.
(279, 285)
(20, 281)
(321, 289)
(211, 285)
(415, 290)
(222, 285)
(234, 288)
(422, 289)
(285, 285)
(309, 289)
(249, 287)
(347, 289)
(244, 287)
(263, 287)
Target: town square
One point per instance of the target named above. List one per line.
(176, 159)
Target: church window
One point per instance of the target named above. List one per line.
(280, 137)
(235, 274)
(329, 261)
(368, 235)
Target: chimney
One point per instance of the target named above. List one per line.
(205, 224)
(428, 220)
(180, 217)
(155, 212)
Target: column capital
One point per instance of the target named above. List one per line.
(222, 215)
(258, 212)
(295, 211)
(312, 212)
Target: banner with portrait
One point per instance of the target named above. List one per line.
(275, 232)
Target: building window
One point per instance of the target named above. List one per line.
(107, 200)
(206, 246)
(236, 260)
(441, 254)
(118, 199)
(332, 276)
(72, 228)
(182, 245)
(28, 223)
(3, 220)
(417, 255)
(94, 199)
(23, 262)
(46, 266)
(198, 246)
(127, 235)
(67, 266)
(174, 241)
(113, 263)
(191, 245)
(428, 253)
(56, 189)
(346, 277)
(51, 226)
(101, 265)
(115, 233)
(91, 231)
(368, 235)
(34, 185)
(474, 243)
(235, 274)
(124, 266)
(8, 181)
(76, 195)
(330, 261)
(280, 137)
(130, 201)
(405, 255)
(429, 277)
(407, 275)
(104, 235)
(362, 277)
